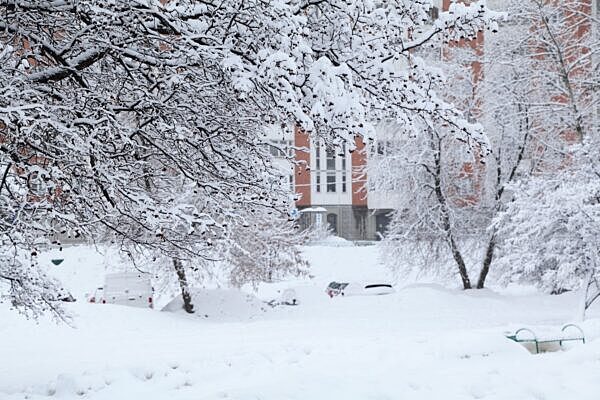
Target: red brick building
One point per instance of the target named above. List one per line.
(332, 183)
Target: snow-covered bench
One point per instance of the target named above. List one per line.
(546, 337)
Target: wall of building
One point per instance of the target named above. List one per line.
(302, 176)
(331, 175)
(355, 222)
(359, 175)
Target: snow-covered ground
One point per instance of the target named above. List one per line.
(422, 342)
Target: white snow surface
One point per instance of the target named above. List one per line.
(221, 305)
(422, 342)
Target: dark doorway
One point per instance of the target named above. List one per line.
(332, 222)
(381, 224)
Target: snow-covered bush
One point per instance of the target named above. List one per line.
(551, 230)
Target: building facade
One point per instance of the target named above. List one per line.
(330, 185)
(335, 180)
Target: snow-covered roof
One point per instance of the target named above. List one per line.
(313, 209)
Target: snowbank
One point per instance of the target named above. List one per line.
(333, 241)
(220, 305)
(422, 342)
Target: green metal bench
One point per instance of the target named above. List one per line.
(539, 341)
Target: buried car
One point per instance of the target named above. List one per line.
(287, 298)
(358, 289)
(62, 295)
(126, 288)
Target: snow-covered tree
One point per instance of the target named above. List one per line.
(434, 178)
(550, 231)
(143, 118)
(432, 181)
(265, 249)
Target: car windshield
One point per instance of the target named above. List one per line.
(337, 285)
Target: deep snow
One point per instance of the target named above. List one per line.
(423, 342)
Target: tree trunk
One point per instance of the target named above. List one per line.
(487, 261)
(185, 292)
(460, 262)
(489, 252)
(458, 258)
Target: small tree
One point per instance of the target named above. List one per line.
(264, 249)
(434, 213)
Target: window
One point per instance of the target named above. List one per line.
(317, 156)
(434, 13)
(465, 185)
(384, 147)
(36, 184)
(343, 181)
(280, 148)
(330, 160)
(331, 182)
(275, 151)
(553, 18)
(318, 181)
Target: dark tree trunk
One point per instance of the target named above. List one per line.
(460, 262)
(456, 254)
(185, 291)
(487, 261)
(489, 252)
